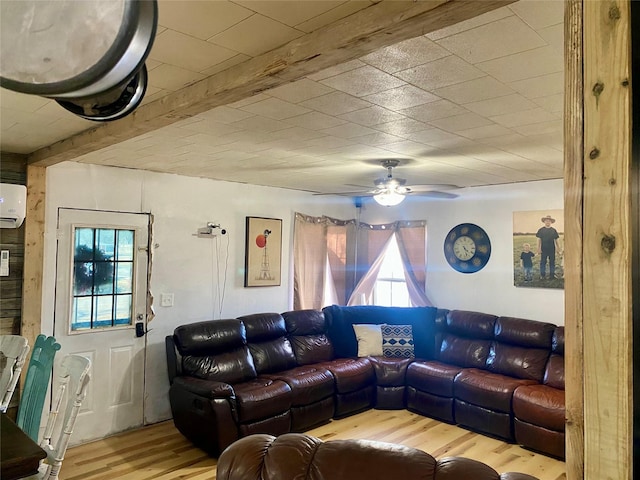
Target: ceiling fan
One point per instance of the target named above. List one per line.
(390, 190)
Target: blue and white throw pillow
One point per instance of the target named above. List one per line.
(397, 341)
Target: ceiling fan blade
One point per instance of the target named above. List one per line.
(433, 194)
(350, 194)
(432, 187)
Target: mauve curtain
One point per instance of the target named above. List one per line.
(376, 245)
(412, 238)
(321, 250)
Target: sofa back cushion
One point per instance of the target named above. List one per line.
(521, 348)
(215, 350)
(466, 338)
(268, 343)
(341, 319)
(464, 352)
(554, 371)
(307, 330)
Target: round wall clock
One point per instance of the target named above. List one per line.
(467, 248)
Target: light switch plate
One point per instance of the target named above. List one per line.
(166, 300)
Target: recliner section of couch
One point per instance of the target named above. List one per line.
(274, 373)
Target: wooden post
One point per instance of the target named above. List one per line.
(607, 247)
(33, 254)
(573, 173)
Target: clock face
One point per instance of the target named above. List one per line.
(464, 248)
(467, 248)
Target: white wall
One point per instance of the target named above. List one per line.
(490, 290)
(183, 264)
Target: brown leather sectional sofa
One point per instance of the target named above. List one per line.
(303, 457)
(277, 373)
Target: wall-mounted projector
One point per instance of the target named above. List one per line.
(13, 205)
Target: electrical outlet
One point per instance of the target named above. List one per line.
(166, 300)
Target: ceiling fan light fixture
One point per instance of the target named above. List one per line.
(389, 198)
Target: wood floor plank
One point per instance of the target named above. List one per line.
(160, 452)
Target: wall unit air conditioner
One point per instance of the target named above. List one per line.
(13, 205)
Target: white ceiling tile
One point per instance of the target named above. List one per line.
(474, 90)
(260, 124)
(275, 108)
(297, 133)
(363, 81)
(440, 73)
(407, 54)
(187, 52)
(349, 130)
(552, 103)
(554, 36)
(335, 103)
(343, 10)
(540, 86)
(336, 70)
(299, 91)
(430, 135)
(255, 35)
(498, 39)
(371, 116)
(461, 122)
(379, 139)
(329, 141)
(208, 126)
(474, 22)
(487, 131)
(402, 127)
(539, 13)
(172, 78)
(406, 147)
(524, 65)
(21, 101)
(434, 110)
(198, 18)
(501, 105)
(315, 121)
(290, 13)
(401, 97)
(536, 115)
(542, 128)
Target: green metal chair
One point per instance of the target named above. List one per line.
(36, 385)
(13, 353)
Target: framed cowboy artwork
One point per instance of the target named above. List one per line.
(538, 249)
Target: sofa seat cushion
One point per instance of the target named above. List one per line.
(261, 398)
(308, 383)
(540, 405)
(489, 390)
(390, 372)
(432, 377)
(350, 374)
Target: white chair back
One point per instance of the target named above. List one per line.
(71, 384)
(13, 353)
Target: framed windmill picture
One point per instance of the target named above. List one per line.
(263, 256)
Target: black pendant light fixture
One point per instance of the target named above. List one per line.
(88, 55)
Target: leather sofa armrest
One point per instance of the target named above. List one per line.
(204, 388)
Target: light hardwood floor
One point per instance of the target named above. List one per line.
(161, 452)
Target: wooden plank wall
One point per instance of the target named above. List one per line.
(13, 169)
